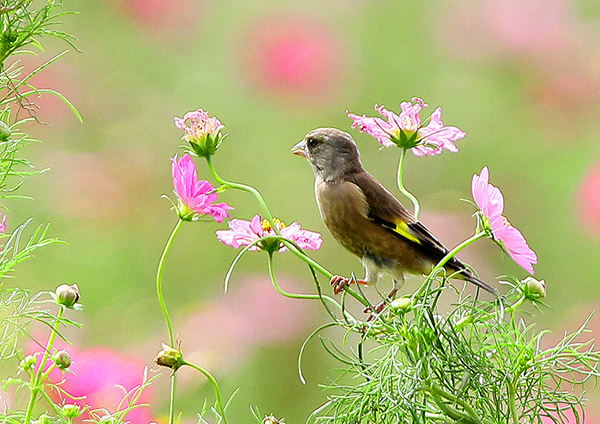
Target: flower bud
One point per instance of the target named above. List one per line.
(62, 359)
(67, 295)
(402, 304)
(169, 357)
(27, 363)
(534, 289)
(42, 419)
(71, 410)
(4, 131)
(270, 419)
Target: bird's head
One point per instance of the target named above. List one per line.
(331, 152)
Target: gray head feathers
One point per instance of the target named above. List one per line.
(331, 152)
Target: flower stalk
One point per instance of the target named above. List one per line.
(37, 379)
(163, 307)
(215, 385)
(403, 190)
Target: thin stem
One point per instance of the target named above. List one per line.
(511, 403)
(401, 187)
(163, 307)
(511, 308)
(445, 259)
(172, 398)
(302, 296)
(36, 382)
(159, 292)
(215, 387)
(454, 399)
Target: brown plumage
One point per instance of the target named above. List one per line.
(367, 219)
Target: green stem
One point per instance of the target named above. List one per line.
(172, 398)
(303, 296)
(269, 218)
(403, 190)
(445, 259)
(511, 403)
(215, 387)
(35, 386)
(435, 389)
(50, 402)
(163, 307)
(159, 292)
(511, 308)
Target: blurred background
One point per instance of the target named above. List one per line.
(522, 78)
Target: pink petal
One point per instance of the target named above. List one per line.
(488, 198)
(256, 225)
(517, 247)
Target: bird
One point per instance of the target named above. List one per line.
(367, 220)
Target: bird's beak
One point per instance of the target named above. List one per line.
(300, 149)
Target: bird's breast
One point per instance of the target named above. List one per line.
(344, 210)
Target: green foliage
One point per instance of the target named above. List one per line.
(479, 362)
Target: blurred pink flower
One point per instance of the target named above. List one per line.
(539, 28)
(545, 40)
(243, 233)
(568, 417)
(589, 199)
(100, 378)
(195, 197)
(202, 131)
(292, 55)
(252, 314)
(406, 131)
(164, 17)
(3, 224)
(490, 202)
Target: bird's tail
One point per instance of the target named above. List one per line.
(467, 275)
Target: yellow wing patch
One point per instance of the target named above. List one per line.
(401, 228)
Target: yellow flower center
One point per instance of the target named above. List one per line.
(266, 225)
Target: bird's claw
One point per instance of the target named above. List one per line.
(377, 309)
(338, 283)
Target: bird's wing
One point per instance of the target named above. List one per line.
(387, 211)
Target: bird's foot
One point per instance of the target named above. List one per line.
(338, 282)
(377, 309)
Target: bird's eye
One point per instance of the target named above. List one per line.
(312, 142)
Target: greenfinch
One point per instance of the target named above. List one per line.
(367, 219)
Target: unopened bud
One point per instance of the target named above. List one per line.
(169, 357)
(534, 289)
(4, 131)
(402, 304)
(62, 359)
(270, 419)
(67, 295)
(42, 419)
(27, 363)
(71, 410)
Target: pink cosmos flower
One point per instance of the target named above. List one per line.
(195, 197)
(202, 131)
(3, 224)
(490, 202)
(244, 233)
(407, 131)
